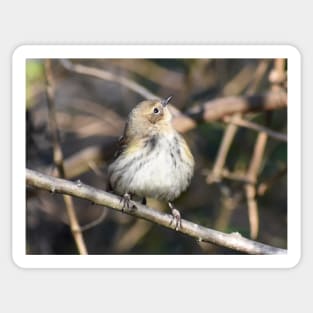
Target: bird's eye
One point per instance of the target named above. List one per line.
(156, 111)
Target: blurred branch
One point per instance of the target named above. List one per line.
(131, 237)
(235, 176)
(97, 221)
(232, 241)
(216, 109)
(220, 160)
(264, 186)
(229, 200)
(234, 121)
(237, 120)
(209, 111)
(86, 159)
(258, 76)
(250, 188)
(152, 71)
(238, 83)
(106, 75)
(241, 80)
(58, 159)
(233, 87)
(276, 77)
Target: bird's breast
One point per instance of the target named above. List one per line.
(160, 169)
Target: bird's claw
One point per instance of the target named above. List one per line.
(128, 204)
(176, 220)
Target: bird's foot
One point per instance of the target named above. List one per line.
(176, 216)
(128, 204)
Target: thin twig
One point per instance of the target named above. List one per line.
(235, 176)
(232, 241)
(106, 75)
(229, 201)
(153, 72)
(239, 82)
(216, 109)
(265, 185)
(277, 78)
(131, 237)
(82, 161)
(97, 221)
(233, 87)
(250, 188)
(209, 111)
(224, 147)
(237, 120)
(258, 76)
(277, 75)
(229, 134)
(58, 160)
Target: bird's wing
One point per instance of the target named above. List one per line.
(122, 142)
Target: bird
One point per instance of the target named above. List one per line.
(153, 159)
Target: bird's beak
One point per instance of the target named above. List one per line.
(165, 102)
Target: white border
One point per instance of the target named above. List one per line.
(150, 261)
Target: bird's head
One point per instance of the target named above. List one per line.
(154, 112)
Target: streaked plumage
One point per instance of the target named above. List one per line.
(154, 160)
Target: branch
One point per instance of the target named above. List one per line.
(152, 72)
(216, 109)
(221, 156)
(106, 75)
(209, 111)
(264, 186)
(236, 120)
(250, 189)
(232, 241)
(87, 158)
(232, 127)
(59, 160)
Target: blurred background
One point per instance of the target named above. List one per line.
(240, 181)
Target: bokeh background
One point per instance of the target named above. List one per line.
(91, 113)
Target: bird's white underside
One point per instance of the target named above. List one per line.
(153, 174)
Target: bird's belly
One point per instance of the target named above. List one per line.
(159, 178)
(163, 174)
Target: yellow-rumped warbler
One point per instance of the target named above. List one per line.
(154, 160)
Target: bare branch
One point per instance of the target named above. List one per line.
(237, 120)
(278, 75)
(209, 111)
(258, 153)
(232, 241)
(131, 237)
(97, 221)
(232, 128)
(224, 147)
(264, 186)
(250, 189)
(239, 177)
(58, 160)
(258, 76)
(106, 75)
(153, 72)
(87, 158)
(238, 83)
(216, 109)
